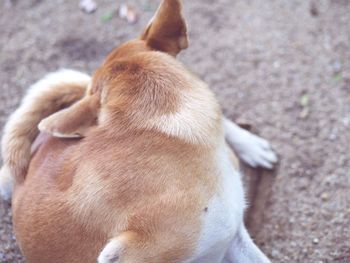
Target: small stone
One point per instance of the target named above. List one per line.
(88, 6)
(276, 64)
(336, 67)
(274, 253)
(304, 113)
(315, 241)
(346, 121)
(332, 136)
(324, 196)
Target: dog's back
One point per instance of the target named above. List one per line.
(146, 182)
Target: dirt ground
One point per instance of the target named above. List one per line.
(282, 65)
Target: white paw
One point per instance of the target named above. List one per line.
(108, 258)
(255, 151)
(6, 184)
(250, 148)
(110, 253)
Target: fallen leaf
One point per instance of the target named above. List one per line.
(304, 100)
(107, 17)
(337, 78)
(128, 13)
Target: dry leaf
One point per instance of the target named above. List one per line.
(107, 17)
(304, 100)
(128, 13)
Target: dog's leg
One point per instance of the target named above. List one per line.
(118, 249)
(243, 250)
(111, 252)
(250, 148)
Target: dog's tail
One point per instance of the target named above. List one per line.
(49, 95)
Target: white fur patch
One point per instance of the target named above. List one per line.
(196, 120)
(225, 213)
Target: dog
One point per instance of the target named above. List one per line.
(132, 165)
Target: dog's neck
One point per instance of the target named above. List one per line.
(197, 121)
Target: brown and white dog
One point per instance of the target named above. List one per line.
(132, 165)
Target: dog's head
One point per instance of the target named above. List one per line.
(140, 84)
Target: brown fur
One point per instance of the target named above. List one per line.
(129, 176)
(121, 188)
(82, 116)
(21, 130)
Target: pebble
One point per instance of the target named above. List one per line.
(88, 6)
(276, 64)
(332, 136)
(324, 196)
(274, 253)
(346, 121)
(336, 66)
(304, 113)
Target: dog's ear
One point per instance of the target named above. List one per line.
(167, 30)
(72, 122)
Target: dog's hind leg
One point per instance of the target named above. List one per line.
(250, 148)
(120, 249)
(243, 250)
(111, 253)
(49, 95)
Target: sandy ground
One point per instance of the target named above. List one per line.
(282, 65)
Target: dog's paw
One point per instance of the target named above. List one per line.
(250, 148)
(6, 184)
(108, 258)
(111, 252)
(256, 151)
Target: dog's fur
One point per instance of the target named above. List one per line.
(137, 169)
(56, 91)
